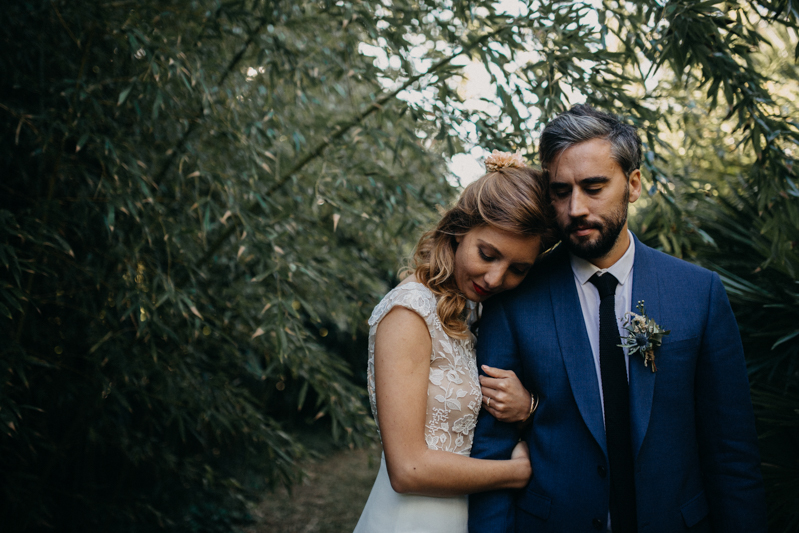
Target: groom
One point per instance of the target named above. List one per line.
(616, 446)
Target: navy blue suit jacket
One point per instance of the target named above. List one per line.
(697, 466)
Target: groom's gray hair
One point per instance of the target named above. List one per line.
(583, 123)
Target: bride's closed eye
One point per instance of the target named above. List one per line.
(483, 256)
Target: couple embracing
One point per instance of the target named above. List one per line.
(614, 390)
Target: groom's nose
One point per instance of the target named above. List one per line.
(578, 206)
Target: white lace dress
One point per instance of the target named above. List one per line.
(453, 402)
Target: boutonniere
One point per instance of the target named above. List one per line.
(643, 335)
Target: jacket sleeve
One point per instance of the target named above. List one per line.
(726, 424)
(494, 511)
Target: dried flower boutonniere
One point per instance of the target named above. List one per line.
(643, 335)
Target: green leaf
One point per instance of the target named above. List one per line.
(785, 339)
(9, 296)
(81, 142)
(159, 101)
(124, 95)
(301, 397)
(109, 220)
(100, 342)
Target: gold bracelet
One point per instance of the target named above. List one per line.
(533, 406)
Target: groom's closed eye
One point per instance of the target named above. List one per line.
(594, 184)
(559, 190)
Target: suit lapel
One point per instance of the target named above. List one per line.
(642, 379)
(575, 347)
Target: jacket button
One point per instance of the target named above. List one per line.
(602, 471)
(597, 523)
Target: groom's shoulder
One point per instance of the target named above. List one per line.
(537, 279)
(674, 267)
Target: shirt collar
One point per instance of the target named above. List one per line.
(621, 269)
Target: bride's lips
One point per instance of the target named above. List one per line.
(480, 291)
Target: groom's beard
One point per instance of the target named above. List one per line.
(609, 227)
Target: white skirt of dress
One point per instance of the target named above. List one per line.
(387, 511)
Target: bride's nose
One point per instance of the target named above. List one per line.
(494, 277)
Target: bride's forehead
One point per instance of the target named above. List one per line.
(512, 245)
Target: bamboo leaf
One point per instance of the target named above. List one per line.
(124, 95)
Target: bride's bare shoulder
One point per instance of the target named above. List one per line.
(410, 279)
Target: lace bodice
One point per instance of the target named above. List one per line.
(453, 389)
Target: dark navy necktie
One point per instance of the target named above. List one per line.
(615, 393)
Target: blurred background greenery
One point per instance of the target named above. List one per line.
(201, 201)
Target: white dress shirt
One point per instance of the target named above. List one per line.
(622, 270)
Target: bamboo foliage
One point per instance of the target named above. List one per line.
(201, 200)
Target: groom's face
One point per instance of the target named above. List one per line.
(590, 193)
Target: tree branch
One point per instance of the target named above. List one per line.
(342, 128)
(186, 134)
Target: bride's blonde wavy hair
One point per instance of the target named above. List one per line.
(510, 197)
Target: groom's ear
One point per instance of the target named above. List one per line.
(634, 183)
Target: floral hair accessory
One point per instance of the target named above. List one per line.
(643, 335)
(499, 160)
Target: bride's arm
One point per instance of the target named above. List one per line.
(402, 367)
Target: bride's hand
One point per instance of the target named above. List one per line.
(521, 453)
(504, 396)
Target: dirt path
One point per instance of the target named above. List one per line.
(330, 500)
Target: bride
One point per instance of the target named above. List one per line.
(422, 373)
